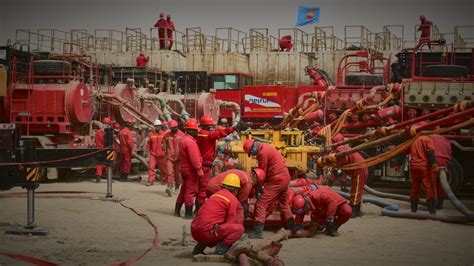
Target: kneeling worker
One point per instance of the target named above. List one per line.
(219, 220)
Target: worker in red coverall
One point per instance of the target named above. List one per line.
(191, 169)
(425, 28)
(328, 208)
(162, 24)
(275, 187)
(206, 141)
(285, 43)
(99, 143)
(443, 154)
(219, 221)
(125, 137)
(246, 186)
(358, 177)
(172, 141)
(156, 150)
(142, 60)
(422, 164)
(169, 31)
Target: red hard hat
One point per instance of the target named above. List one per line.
(116, 125)
(298, 202)
(106, 120)
(162, 15)
(173, 123)
(422, 17)
(191, 124)
(260, 175)
(247, 145)
(207, 121)
(164, 123)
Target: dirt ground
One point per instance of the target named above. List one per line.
(87, 231)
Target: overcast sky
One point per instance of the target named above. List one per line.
(240, 14)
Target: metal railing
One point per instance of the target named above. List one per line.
(357, 37)
(232, 39)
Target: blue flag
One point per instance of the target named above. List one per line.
(307, 15)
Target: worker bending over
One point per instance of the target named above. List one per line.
(219, 221)
(328, 209)
(277, 180)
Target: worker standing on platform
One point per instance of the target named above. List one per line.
(358, 177)
(219, 221)
(156, 151)
(169, 31)
(191, 169)
(142, 60)
(125, 137)
(277, 180)
(173, 141)
(206, 140)
(425, 28)
(443, 153)
(161, 24)
(99, 143)
(422, 164)
(328, 209)
(285, 43)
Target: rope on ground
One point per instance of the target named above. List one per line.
(155, 238)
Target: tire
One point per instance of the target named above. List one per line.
(51, 67)
(455, 175)
(364, 79)
(448, 71)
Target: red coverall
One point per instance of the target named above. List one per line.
(219, 220)
(172, 157)
(425, 29)
(246, 184)
(275, 188)
(327, 204)
(169, 32)
(125, 137)
(420, 171)
(358, 177)
(191, 167)
(206, 140)
(443, 153)
(155, 148)
(161, 24)
(99, 143)
(285, 43)
(142, 60)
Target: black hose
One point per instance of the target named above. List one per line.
(457, 204)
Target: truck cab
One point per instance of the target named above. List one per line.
(229, 87)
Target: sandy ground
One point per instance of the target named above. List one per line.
(87, 231)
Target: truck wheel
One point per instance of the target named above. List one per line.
(449, 71)
(364, 79)
(455, 175)
(51, 67)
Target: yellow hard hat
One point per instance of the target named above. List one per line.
(232, 180)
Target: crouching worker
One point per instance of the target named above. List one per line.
(219, 220)
(328, 208)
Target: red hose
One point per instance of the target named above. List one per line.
(31, 260)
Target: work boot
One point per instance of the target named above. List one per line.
(356, 211)
(439, 204)
(169, 190)
(197, 207)
(344, 186)
(199, 249)
(222, 248)
(188, 213)
(257, 231)
(97, 178)
(177, 209)
(431, 206)
(414, 205)
(292, 226)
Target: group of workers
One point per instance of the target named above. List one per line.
(165, 31)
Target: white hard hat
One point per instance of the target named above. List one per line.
(157, 122)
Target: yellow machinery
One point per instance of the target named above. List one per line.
(290, 143)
